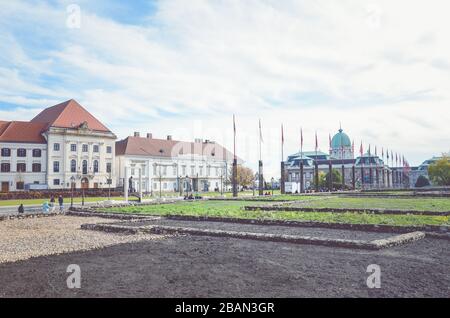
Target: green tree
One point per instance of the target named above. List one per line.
(245, 176)
(325, 177)
(422, 181)
(439, 171)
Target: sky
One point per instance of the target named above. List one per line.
(381, 69)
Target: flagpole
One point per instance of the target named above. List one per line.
(234, 176)
(282, 179)
(302, 186)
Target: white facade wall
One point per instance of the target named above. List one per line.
(28, 177)
(165, 173)
(65, 138)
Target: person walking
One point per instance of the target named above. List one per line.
(61, 203)
(21, 209)
(52, 203)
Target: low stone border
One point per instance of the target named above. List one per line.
(93, 213)
(341, 226)
(27, 216)
(342, 210)
(170, 230)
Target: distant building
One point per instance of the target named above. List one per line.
(64, 146)
(166, 164)
(341, 157)
(422, 170)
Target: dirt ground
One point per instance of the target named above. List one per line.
(225, 267)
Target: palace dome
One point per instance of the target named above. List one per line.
(340, 140)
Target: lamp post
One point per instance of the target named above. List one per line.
(72, 181)
(272, 180)
(161, 151)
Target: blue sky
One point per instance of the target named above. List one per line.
(184, 67)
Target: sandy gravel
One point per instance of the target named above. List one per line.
(27, 238)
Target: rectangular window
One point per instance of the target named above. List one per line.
(108, 167)
(5, 167)
(85, 148)
(20, 185)
(55, 166)
(184, 170)
(21, 167)
(73, 147)
(6, 152)
(55, 181)
(56, 147)
(21, 152)
(132, 171)
(36, 167)
(155, 185)
(95, 149)
(109, 149)
(164, 185)
(174, 170)
(192, 171)
(201, 170)
(164, 171)
(37, 153)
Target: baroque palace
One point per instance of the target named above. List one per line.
(66, 147)
(367, 170)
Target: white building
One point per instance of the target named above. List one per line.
(165, 164)
(64, 146)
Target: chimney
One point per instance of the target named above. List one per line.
(136, 134)
(149, 136)
(169, 137)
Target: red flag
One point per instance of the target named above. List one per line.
(260, 132)
(282, 135)
(234, 125)
(301, 139)
(369, 150)
(317, 144)
(387, 154)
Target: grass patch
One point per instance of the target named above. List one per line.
(236, 210)
(413, 204)
(66, 200)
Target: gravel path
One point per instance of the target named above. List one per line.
(272, 229)
(27, 238)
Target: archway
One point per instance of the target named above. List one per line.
(84, 183)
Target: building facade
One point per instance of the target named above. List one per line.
(166, 165)
(64, 146)
(367, 171)
(422, 170)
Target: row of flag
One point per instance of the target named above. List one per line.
(398, 158)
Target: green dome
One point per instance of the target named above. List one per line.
(340, 140)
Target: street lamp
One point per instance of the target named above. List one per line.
(272, 184)
(72, 182)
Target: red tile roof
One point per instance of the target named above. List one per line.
(69, 114)
(21, 131)
(142, 146)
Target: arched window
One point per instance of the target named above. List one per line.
(73, 165)
(95, 166)
(85, 167)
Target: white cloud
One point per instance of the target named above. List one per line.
(380, 67)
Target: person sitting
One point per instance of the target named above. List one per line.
(46, 207)
(21, 209)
